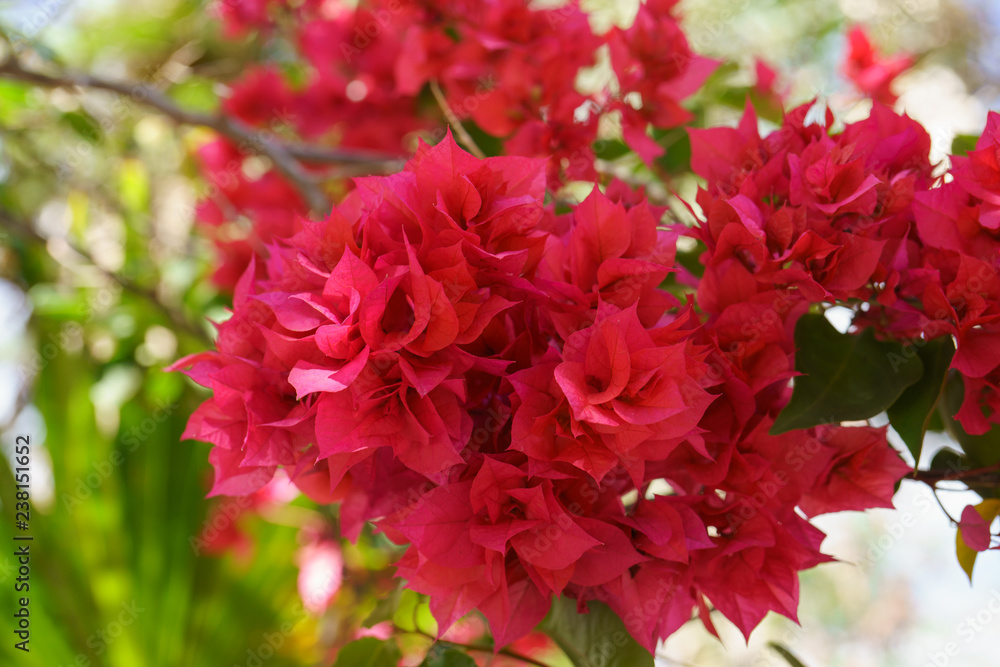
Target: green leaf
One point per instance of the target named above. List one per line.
(405, 615)
(677, 144)
(595, 639)
(935, 423)
(611, 149)
(384, 609)
(413, 613)
(988, 509)
(133, 186)
(786, 654)
(197, 94)
(439, 656)
(949, 459)
(963, 143)
(84, 125)
(489, 144)
(845, 377)
(911, 414)
(369, 652)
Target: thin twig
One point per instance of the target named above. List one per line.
(25, 231)
(283, 155)
(941, 505)
(455, 123)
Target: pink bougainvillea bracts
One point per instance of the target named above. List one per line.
(508, 69)
(508, 390)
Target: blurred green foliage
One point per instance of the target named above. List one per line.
(115, 579)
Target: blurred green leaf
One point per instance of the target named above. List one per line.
(611, 149)
(677, 158)
(84, 125)
(196, 94)
(369, 652)
(786, 654)
(439, 656)
(133, 186)
(385, 608)
(963, 144)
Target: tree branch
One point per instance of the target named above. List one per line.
(989, 474)
(180, 322)
(284, 156)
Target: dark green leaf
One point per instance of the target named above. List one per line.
(963, 143)
(786, 654)
(911, 414)
(369, 652)
(677, 157)
(949, 459)
(595, 639)
(935, 423)
(845, 377)
(489, 144)
(610, 149)
(439, 656)
(84, 125)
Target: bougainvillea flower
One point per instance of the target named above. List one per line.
(870, 72)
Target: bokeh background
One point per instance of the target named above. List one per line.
(99, 266)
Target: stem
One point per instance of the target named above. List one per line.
(455, 123)
(941, 505)
(284, 156)
(932, 477)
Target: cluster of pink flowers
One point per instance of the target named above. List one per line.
(504, 67)
(509, 391)
(949, 276)
(802, 217)
(541, 400)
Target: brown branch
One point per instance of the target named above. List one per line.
(284, 156)
(455, 122)
(932, 477)
(180, 322)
